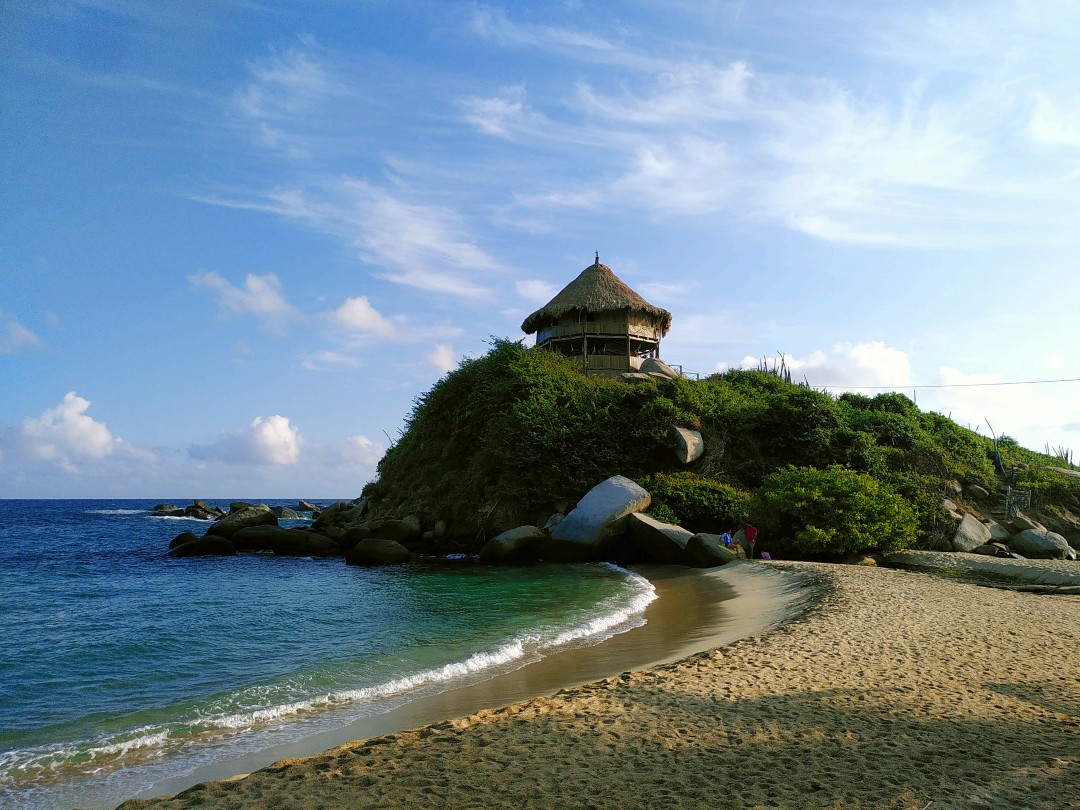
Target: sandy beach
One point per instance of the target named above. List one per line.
(882, 689)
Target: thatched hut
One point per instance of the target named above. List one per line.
(599, 321)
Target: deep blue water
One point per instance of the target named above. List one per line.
(122, 667)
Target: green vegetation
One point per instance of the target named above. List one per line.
(514, 433)
(833, 511)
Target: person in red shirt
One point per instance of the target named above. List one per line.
(751, 537)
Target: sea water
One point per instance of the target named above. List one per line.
(121, 667)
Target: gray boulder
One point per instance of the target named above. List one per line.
(1023, 522)
(513, 546)
(657, 367)
(377, 551)
(970, 534)
(261, 537)
(209, 546)
(1040, 544)
(285, 513)
(183, 537)
(304, 506)
(400, 531)
(688, 445)
(591, 529)
(708, 551)
(162, 509)
(661, 541)
(998, 533)
(237, 506)
(977, 493)
(227, 526)
(304, 543)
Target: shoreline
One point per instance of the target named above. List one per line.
(893, 689)
(697, 610)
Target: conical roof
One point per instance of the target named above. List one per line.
(597, 289)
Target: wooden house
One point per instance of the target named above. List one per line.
(601, 323)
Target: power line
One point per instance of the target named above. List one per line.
(951, 385)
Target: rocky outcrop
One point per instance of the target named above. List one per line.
(513, 546)
(285, 513)
(375, 551)
(590, 530)
(249, 515)
(970, 534)
(708, 551)
(1040, 544)
(689, 446)
(660, 541)
(209, 546)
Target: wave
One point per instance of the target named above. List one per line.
(116, 511)
(181, 517)
(229, 717)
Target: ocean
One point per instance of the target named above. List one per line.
(122, 667)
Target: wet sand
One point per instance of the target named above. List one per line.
(891, 689)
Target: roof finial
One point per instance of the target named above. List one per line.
(598, 258)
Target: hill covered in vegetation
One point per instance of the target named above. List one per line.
(516, 435)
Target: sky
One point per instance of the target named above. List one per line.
(239, 238)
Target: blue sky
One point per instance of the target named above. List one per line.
(239, 238)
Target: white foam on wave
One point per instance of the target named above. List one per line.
(115, 511)
(611, 616)
(181, 517)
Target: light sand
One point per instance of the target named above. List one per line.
(898, 690)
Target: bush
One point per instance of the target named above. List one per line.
(698, 504)
(828, 513)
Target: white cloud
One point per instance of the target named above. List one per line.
(267, 441)
(426, 247)
(1054, 124)
(850, 366)
(66, 437)
(358, 315)
(67, 431)
(494, 25)
(442, 358)
(14, 337)
(261, 296)
(498, 115)
(327, 359)
(362, 451)
(536, 291)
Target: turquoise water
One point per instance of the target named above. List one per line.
(123, 667)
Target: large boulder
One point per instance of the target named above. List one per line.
(1040, 544)
(262, 537)
(708, 551)
(970, 534)
(590, 530)
(658, 368)
(183, 537)
(998, 533)
(660, 541)
(377, 551)
(400, 531)
(285, 513)
(513, 546)
(304, 543)
(205, 547)
(688, 445)
(260, 515)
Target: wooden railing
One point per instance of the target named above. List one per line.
(598, 328)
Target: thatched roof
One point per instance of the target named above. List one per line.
(597, 289)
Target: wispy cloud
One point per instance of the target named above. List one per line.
(493, 24)
(14, 337)
(260, 296)
(422, 246)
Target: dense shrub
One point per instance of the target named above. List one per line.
(518, 430)
(827, 513)
(698, 504)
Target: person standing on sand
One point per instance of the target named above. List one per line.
(751, 537)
